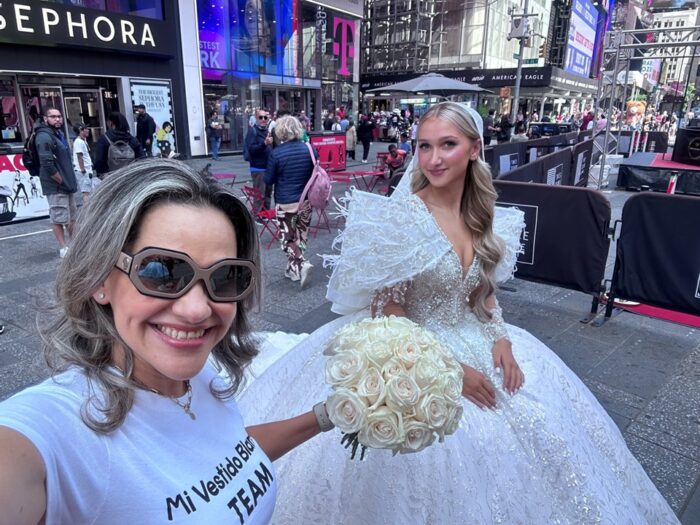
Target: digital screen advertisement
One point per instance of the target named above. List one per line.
(582, 33)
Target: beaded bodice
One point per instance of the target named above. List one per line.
(440, 296)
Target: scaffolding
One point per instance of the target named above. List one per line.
(621, 48)
(398, 35)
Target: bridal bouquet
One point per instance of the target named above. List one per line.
(394, 385)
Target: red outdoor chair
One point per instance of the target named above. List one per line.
(265, 216)
(321, 217)
(221, 177)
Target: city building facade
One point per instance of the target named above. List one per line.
(469, 40)
(275, 54)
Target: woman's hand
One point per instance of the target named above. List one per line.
(513, 377)
(477, 388)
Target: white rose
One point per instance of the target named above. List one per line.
(347, 338)
(451, 384)
(346, 410)
(408, 352)
(433, 410)
(400, 322)
(425, 372)
(418, 437)
(344, 369)
(371, 387)
(393, 367)
(402, 392)
(379, 353)
(383, 429)
(454, 417)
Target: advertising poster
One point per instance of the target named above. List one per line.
(582, 32)
(20, 195)
(331, 150)
(157, 99)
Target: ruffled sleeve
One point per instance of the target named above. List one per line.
(385, 242)
(508, 225)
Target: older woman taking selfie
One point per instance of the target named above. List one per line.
(137, 423)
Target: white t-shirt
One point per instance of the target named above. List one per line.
(158, 467)
(80, 146)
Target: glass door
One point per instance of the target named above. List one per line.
(36, 100)
(83, 107)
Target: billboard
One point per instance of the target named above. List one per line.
(582, 36)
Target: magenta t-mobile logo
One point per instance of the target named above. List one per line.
(343, 45)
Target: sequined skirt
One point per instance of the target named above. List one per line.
(548, 455)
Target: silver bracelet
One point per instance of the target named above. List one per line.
(324, 422)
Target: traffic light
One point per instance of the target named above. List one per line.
(543, 51)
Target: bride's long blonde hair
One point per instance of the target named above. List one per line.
(478, 202)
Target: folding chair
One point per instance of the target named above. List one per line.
(322, 217)
(221, 177)
(265, 216)
(341, 177)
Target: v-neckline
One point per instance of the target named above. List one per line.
(465, 271)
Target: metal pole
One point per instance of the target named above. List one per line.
(518, 74)
(613, 86)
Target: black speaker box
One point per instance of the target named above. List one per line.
(687, 148)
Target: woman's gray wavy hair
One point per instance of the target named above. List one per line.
(478, 201)
(288, 128)
(80, 332)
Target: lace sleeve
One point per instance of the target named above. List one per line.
(391, 294)
(495, 329)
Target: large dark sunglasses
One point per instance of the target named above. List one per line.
(168, 274)
(263, 117)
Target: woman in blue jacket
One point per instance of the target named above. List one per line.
(289, 168)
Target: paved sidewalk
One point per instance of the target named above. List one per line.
(645, 372)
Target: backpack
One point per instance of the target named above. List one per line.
(30, 155)
(318, 189)
(119, 154)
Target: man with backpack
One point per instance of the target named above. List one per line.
(56, 175)
(118, 147)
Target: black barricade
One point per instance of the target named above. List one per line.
(581, 163)
(658, 252)
(566, 234)
(585, 135)
(557, 142)
(571, 137)
(488, 155)
(507, 156)
(556, 167)
(624, 142)
(536, 148)
(657, 142)
(531, 172)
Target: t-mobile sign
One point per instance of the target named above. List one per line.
(582, 32)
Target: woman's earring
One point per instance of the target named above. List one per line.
(101, 295)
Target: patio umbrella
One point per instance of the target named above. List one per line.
(432, 83)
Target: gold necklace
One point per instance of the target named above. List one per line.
(186, 406)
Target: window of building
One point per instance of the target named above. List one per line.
(10, 130)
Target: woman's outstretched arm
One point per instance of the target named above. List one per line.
(279, 437)
(23, 480)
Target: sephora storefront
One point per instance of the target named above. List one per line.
(87, 61)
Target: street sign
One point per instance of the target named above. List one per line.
(531, 61)
(516, 56)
